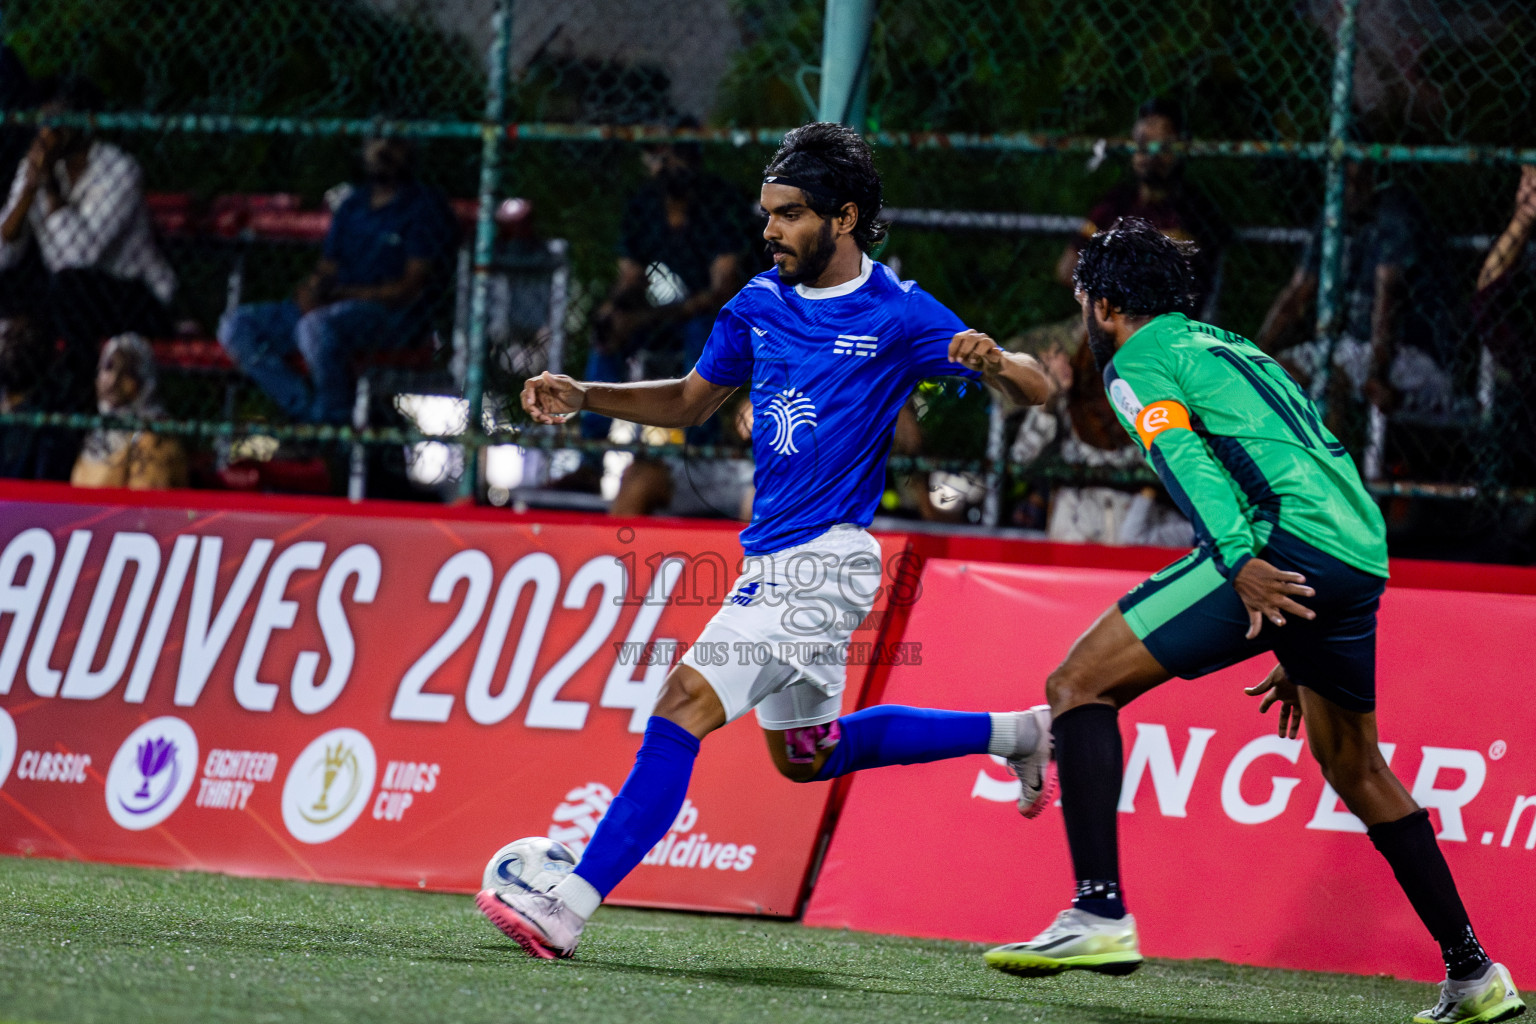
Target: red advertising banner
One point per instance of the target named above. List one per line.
(1232, 846)
(378, 699)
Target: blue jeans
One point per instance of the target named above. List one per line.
(262, 336)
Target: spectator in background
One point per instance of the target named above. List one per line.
(17, 92)
(385, 262)
(127, 387)
(1158, 193)
(683, 249)
(30, 383)
(676, 485)
(1397, 350)
(1504, 318)
(82, 202)
(1080, 428)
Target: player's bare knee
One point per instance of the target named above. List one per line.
(683, 690)
(688, 700)
(1068, 686)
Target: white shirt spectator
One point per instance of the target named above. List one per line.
(103, 223)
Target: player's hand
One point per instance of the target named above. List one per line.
(553, 397)
(1268, 592)
(1277, 686)
(976, 351)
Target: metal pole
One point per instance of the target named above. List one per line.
(491, 132)
(997, 463)
(845, 61)
(1331, 257)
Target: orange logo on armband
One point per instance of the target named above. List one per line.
(1158, 417)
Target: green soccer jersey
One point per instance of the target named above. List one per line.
(1240, 447)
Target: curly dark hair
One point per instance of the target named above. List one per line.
(1140, 270)
(837, 161)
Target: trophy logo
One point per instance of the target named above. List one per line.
(328, 786)
(339, 761)
(151, 773)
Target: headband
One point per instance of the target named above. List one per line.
(818, 191)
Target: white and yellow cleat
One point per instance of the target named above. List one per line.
(1488, 996)
(1076, 940)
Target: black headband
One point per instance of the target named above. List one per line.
(818, 191)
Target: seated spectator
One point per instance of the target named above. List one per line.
(1080, 428)
(1504, 318)
(127, 387)
(1397, 349)
(1157, 192)
(385, 264)
(29, 383)
(682, 255)
(82, 202)
(678, 485)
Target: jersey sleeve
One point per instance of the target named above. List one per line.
(727, 356)
(930, 327)
(1155, 411)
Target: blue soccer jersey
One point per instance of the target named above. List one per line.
(829, 369)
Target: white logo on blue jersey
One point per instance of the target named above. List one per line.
(855, 344)
(787, 410)
(759, 332)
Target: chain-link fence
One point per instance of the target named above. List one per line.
(338, 228)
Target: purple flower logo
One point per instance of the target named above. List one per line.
(151, 773)
(157, 762)
(154, 755)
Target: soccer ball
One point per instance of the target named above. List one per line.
(532, 864)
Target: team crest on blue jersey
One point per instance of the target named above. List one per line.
(788, 410)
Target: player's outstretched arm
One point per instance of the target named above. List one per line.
(555, 398)
(1019, 376)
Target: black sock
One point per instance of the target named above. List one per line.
(1089, 762)
(1409, 846)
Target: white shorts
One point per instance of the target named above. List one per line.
(779, 643)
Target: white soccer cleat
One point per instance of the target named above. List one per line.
(1488, 996)
(1035, 768)
(540, 922)
(1076, 940)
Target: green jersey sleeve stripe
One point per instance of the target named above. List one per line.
(1245, 472)
(1231, 544)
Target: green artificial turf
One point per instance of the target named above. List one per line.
(83, 943)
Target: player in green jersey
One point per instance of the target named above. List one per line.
(1292, 559)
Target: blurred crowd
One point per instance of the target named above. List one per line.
(88, 300)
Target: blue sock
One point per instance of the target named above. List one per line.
(895, 734)
(645, 808)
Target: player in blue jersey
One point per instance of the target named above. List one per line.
(831, 343)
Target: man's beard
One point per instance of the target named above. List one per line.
(814, 263)
(1099, 342)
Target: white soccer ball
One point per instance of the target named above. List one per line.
(532, 864)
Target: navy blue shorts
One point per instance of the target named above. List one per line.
(1193, 622)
